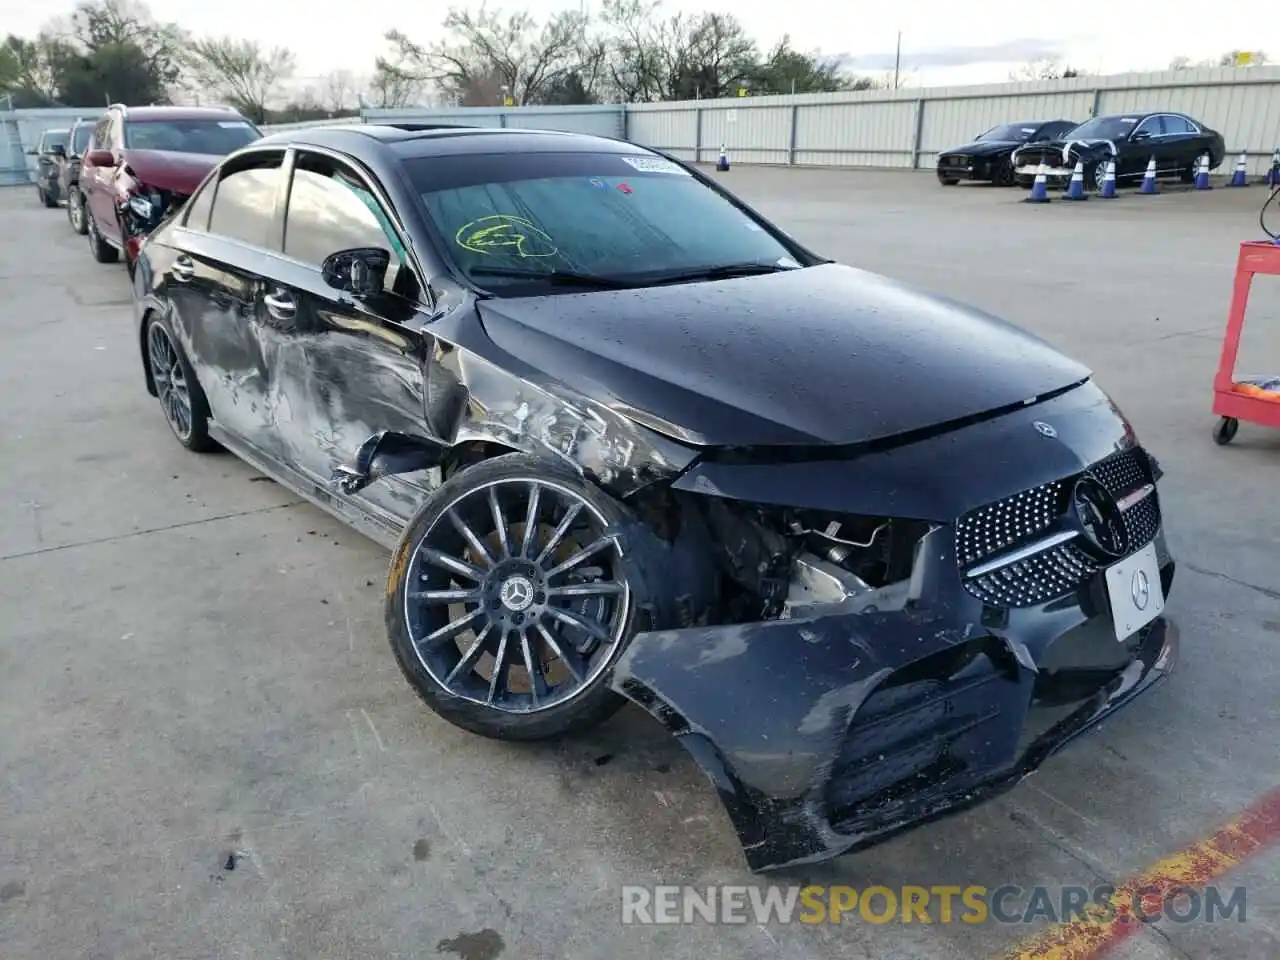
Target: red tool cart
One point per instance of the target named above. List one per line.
(1253, 399)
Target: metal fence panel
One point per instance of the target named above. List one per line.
(20, 131)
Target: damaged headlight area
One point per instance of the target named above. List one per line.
(147, 209)
(774, 563)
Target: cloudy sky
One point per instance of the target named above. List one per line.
(938, 45)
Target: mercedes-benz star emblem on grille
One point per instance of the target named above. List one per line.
(1140, 589)
(1046, 429)
(1099, 517)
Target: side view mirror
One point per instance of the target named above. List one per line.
(59, 150)
(360, 271)
(33, 152)
(101, 158)
(1140, 135)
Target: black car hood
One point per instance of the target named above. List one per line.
(983, 148)
(827, 354)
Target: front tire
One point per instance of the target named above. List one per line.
(948, 181)
(182, 401)
(102, 251)
(1004, 175)
(46, 199)
(509, 600)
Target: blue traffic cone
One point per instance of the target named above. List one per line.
(1149, 178)
(1272, 178)
(1040, 188)
(1075, 189)
(1241, 177)
(1202, 173)
(723, 162)
(1108, 191)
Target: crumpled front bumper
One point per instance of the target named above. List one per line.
(828, 734)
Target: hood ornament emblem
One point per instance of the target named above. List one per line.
(1045, 429)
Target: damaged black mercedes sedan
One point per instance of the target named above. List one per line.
(869, 554)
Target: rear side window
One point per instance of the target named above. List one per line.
(244, 207)
(198, 208)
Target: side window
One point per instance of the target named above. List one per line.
(1153, 126)
(330, 209)
(244, 208)
(101, 136)
(197, 215)
(1178, 125)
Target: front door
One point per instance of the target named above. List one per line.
(215, 280)
(346, 368)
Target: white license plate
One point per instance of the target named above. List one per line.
(1136, 595)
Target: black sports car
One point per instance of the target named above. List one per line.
(869, 554)
(988, 156)
(1175, 140)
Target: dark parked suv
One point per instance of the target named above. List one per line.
(53, 143)
(145, 162)
(78, 143)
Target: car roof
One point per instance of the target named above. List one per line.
(437, 139)
(54, 130)
(144, 114)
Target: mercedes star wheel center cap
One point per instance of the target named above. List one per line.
(517, 594)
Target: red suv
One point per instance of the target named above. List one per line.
(144, 162)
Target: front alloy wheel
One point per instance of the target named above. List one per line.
(513, 600)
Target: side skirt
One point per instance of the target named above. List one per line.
(379, 526)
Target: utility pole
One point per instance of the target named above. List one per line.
(897, 61)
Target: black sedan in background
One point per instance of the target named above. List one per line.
(988, 156)
(1175, 140)
(871, 555)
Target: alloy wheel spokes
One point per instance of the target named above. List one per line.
(503, 608)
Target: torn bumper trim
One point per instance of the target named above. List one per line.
(827, 735)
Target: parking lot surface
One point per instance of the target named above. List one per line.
(206, 749)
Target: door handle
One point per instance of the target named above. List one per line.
(280, 305)
(183, 269)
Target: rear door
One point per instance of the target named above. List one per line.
(223, 250)
(1183, 140)
(350, 367)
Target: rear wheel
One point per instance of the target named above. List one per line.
(948, 181)
(1188, 174)
(509, 600)
(45, 198)
(181, 399)
(102, 251)
(76, 212)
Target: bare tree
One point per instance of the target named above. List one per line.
(1045, 68)
(678, 57)
(340, 90)
(245, 75)
(392, 86)
(485, 46)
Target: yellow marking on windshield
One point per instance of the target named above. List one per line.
(505, 234)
